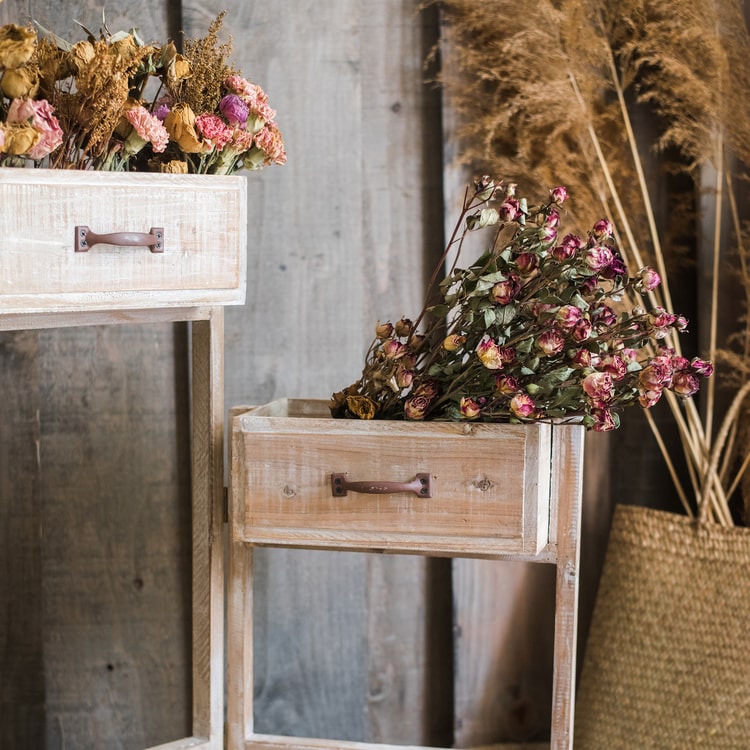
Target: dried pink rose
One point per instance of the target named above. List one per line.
(567, 317)
(522, 405)
(599, 387)
(489, 354)
(685, 384)
(604, 420)
(702, 367)
(597, 257)
(506, 384)
(416, 407)
(558, 194)
(603, 229)
(504, 292)
(550, 342)
(469, 408)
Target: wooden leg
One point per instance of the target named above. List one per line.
(567, 488)
(208, 522)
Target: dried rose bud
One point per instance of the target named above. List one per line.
(582, 330)
(404, 327)
(550, 342)
(507, 354)
(615, 366)
(404, 378)
(469, 408)
(602, 229)
(453, 342)
(506, 384)
(702, 367)
(504, 292)
(604, 420)
(384, 330)
(393, 349)
(598, 386)
(567, 317)
(361, 406)
(647, 399)
(416, 407)
(17, 45)
(489, 354)
(510, 210)
(428, 389)
(558, 195)
(597, 257)
(685, 384)
(527, 263)
(649, 279)
(522, 405)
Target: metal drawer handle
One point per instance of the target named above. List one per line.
(421, 485)
(86, 239)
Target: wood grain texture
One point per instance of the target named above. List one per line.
(489, 489)
(202, 260)
(116, 541)
(341, 237)
(22, 694)
(208, 528)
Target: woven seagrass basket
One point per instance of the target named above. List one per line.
(667, 664)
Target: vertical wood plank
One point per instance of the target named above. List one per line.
(22, 712)
(116, 532)
(339, 238)
(567, 485)
(208, 531)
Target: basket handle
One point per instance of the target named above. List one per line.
(154, 239)
(421, 485)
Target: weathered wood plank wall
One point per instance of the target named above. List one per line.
(94, 501)
(94, 562)
(340, 237)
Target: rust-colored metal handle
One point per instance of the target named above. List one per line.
(86, 239)
(421, 485)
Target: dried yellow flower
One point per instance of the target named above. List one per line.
(16, 45)
(20, 83)
(80, 56)
(175, 166)
(180, 124)
(361, 406)
(19, 138)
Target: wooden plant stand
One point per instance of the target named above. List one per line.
(100, 248)
(301, 479)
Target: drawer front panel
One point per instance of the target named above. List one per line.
(490, 484)
(203, 260)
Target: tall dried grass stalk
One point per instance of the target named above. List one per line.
(545, 92)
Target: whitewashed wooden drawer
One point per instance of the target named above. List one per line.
(162, 240)
(301, 478)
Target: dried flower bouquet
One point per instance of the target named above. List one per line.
(541, 326)
(548, 90)
(113, 102)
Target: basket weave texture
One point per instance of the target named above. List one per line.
(667, 664)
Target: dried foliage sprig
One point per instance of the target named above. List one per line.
(553, 85)
(112, 102)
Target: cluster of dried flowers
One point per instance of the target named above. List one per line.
(115, 103)
(538, 327)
